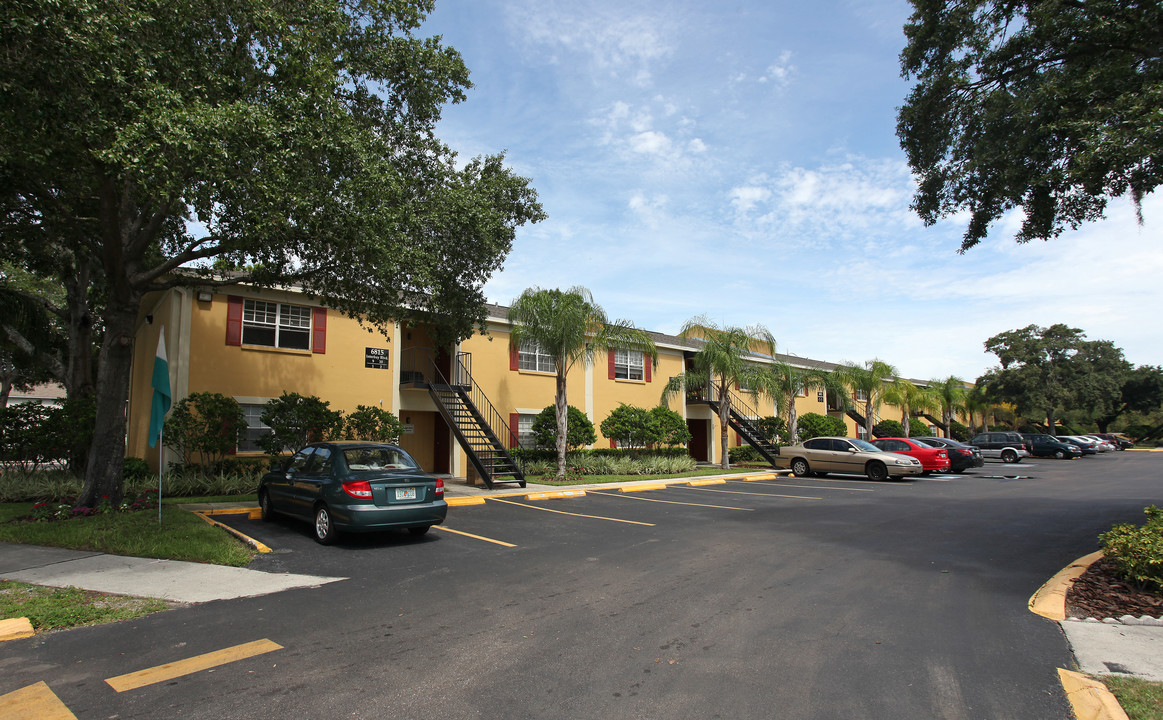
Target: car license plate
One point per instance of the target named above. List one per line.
(406, 493)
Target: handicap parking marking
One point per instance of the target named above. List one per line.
(35, 702)
(562, 512)
(474, 537)
(189, 666)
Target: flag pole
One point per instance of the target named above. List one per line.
(161, 448)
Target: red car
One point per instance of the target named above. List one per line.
(932, 459)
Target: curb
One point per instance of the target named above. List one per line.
(1090, 699)
(15, 629)
(205, 515)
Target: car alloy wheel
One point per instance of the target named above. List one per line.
(1009, 457)
(324, 530)
(1060, 454)
(799, 467)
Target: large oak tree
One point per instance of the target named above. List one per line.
(145, 144)
(1047, 105)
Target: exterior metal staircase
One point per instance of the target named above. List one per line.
(743, 419)
(474, 421)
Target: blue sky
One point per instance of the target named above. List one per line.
(739, 160)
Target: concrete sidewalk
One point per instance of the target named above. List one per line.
(167, 579)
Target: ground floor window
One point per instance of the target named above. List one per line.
(525, 431)
(255, 428)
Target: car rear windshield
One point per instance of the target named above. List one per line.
(372, 458)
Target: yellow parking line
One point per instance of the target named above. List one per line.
(669, 502)
(814, 487)
(35, 702)
(169, 671)
(562, 512)
(474, 537)
(743, 492)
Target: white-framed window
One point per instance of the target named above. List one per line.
(531, 356)
(861, 396)
(276, 325)
(525, 430)
(255, 428)
(801, 391)
(629, 364)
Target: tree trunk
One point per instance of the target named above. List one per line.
(562, 408)
(5, 390)
(724, 414)
(103, 475)
(793, 420)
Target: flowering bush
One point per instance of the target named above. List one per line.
(64, 510)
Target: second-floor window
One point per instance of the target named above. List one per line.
(276, 325)
(628, 364)
(532, 356)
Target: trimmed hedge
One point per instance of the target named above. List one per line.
(1137, 550)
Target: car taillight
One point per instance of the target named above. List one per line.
(439, 488)
(943, 454)
(360, 489)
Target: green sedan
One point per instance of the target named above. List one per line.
(353, 487)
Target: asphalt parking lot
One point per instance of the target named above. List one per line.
(793, 597)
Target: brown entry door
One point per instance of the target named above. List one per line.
(698, 445)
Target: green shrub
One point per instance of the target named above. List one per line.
(774, 429)
(1137, 550)
(627, 424)
(135, 469)
(374, 424)
(888, 428)
(205, 426)
(959, 432)
(812, 425)
(744, 454)
(579, 429)
(296, 420)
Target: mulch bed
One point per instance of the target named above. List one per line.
(1099, 593)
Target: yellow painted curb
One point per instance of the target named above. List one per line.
(708, 481)
(556, 494)
(766, 476)
(35, 702)
(205, 515)
(1050, 599)
(642, 488)
(15, 628)
(1090, 698)
(458, 501)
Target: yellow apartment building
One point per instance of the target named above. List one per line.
(462, 407)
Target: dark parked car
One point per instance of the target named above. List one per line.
(1087, 447)
(1043, 445)
(1008, 446)
(354, 487)
(961, 456)
(1120, 442)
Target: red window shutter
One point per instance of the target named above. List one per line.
(513, 359)
(514, 420)
(613, 443)
(646, 367)
(738, 440)
(610, 354)
(233, 320)
(319, 329)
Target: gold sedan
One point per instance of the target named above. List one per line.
(823, 455)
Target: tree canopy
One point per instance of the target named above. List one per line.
(1052, 369)
(1047, 105)
(146, 144)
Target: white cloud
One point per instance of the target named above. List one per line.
(780, 72)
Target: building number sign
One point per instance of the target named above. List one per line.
(376, 358)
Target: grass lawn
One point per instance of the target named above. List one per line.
(595, 479)
(49, 608)
(1141, 700)
(181, 535)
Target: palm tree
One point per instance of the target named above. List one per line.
(869, 380)
(910, 398)
(784, 381)
(569, 326)
(721, 363)
(977, 402)
(950, 394)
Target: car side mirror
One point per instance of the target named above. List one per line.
(852, 449)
